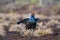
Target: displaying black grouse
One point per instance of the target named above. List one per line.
(29, 22)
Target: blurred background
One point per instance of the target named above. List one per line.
(11, 11)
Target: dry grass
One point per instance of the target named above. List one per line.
(42, 29)
(43, 32)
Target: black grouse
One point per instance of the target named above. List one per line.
(29, 22)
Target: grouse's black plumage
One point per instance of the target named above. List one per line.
(29, 22)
